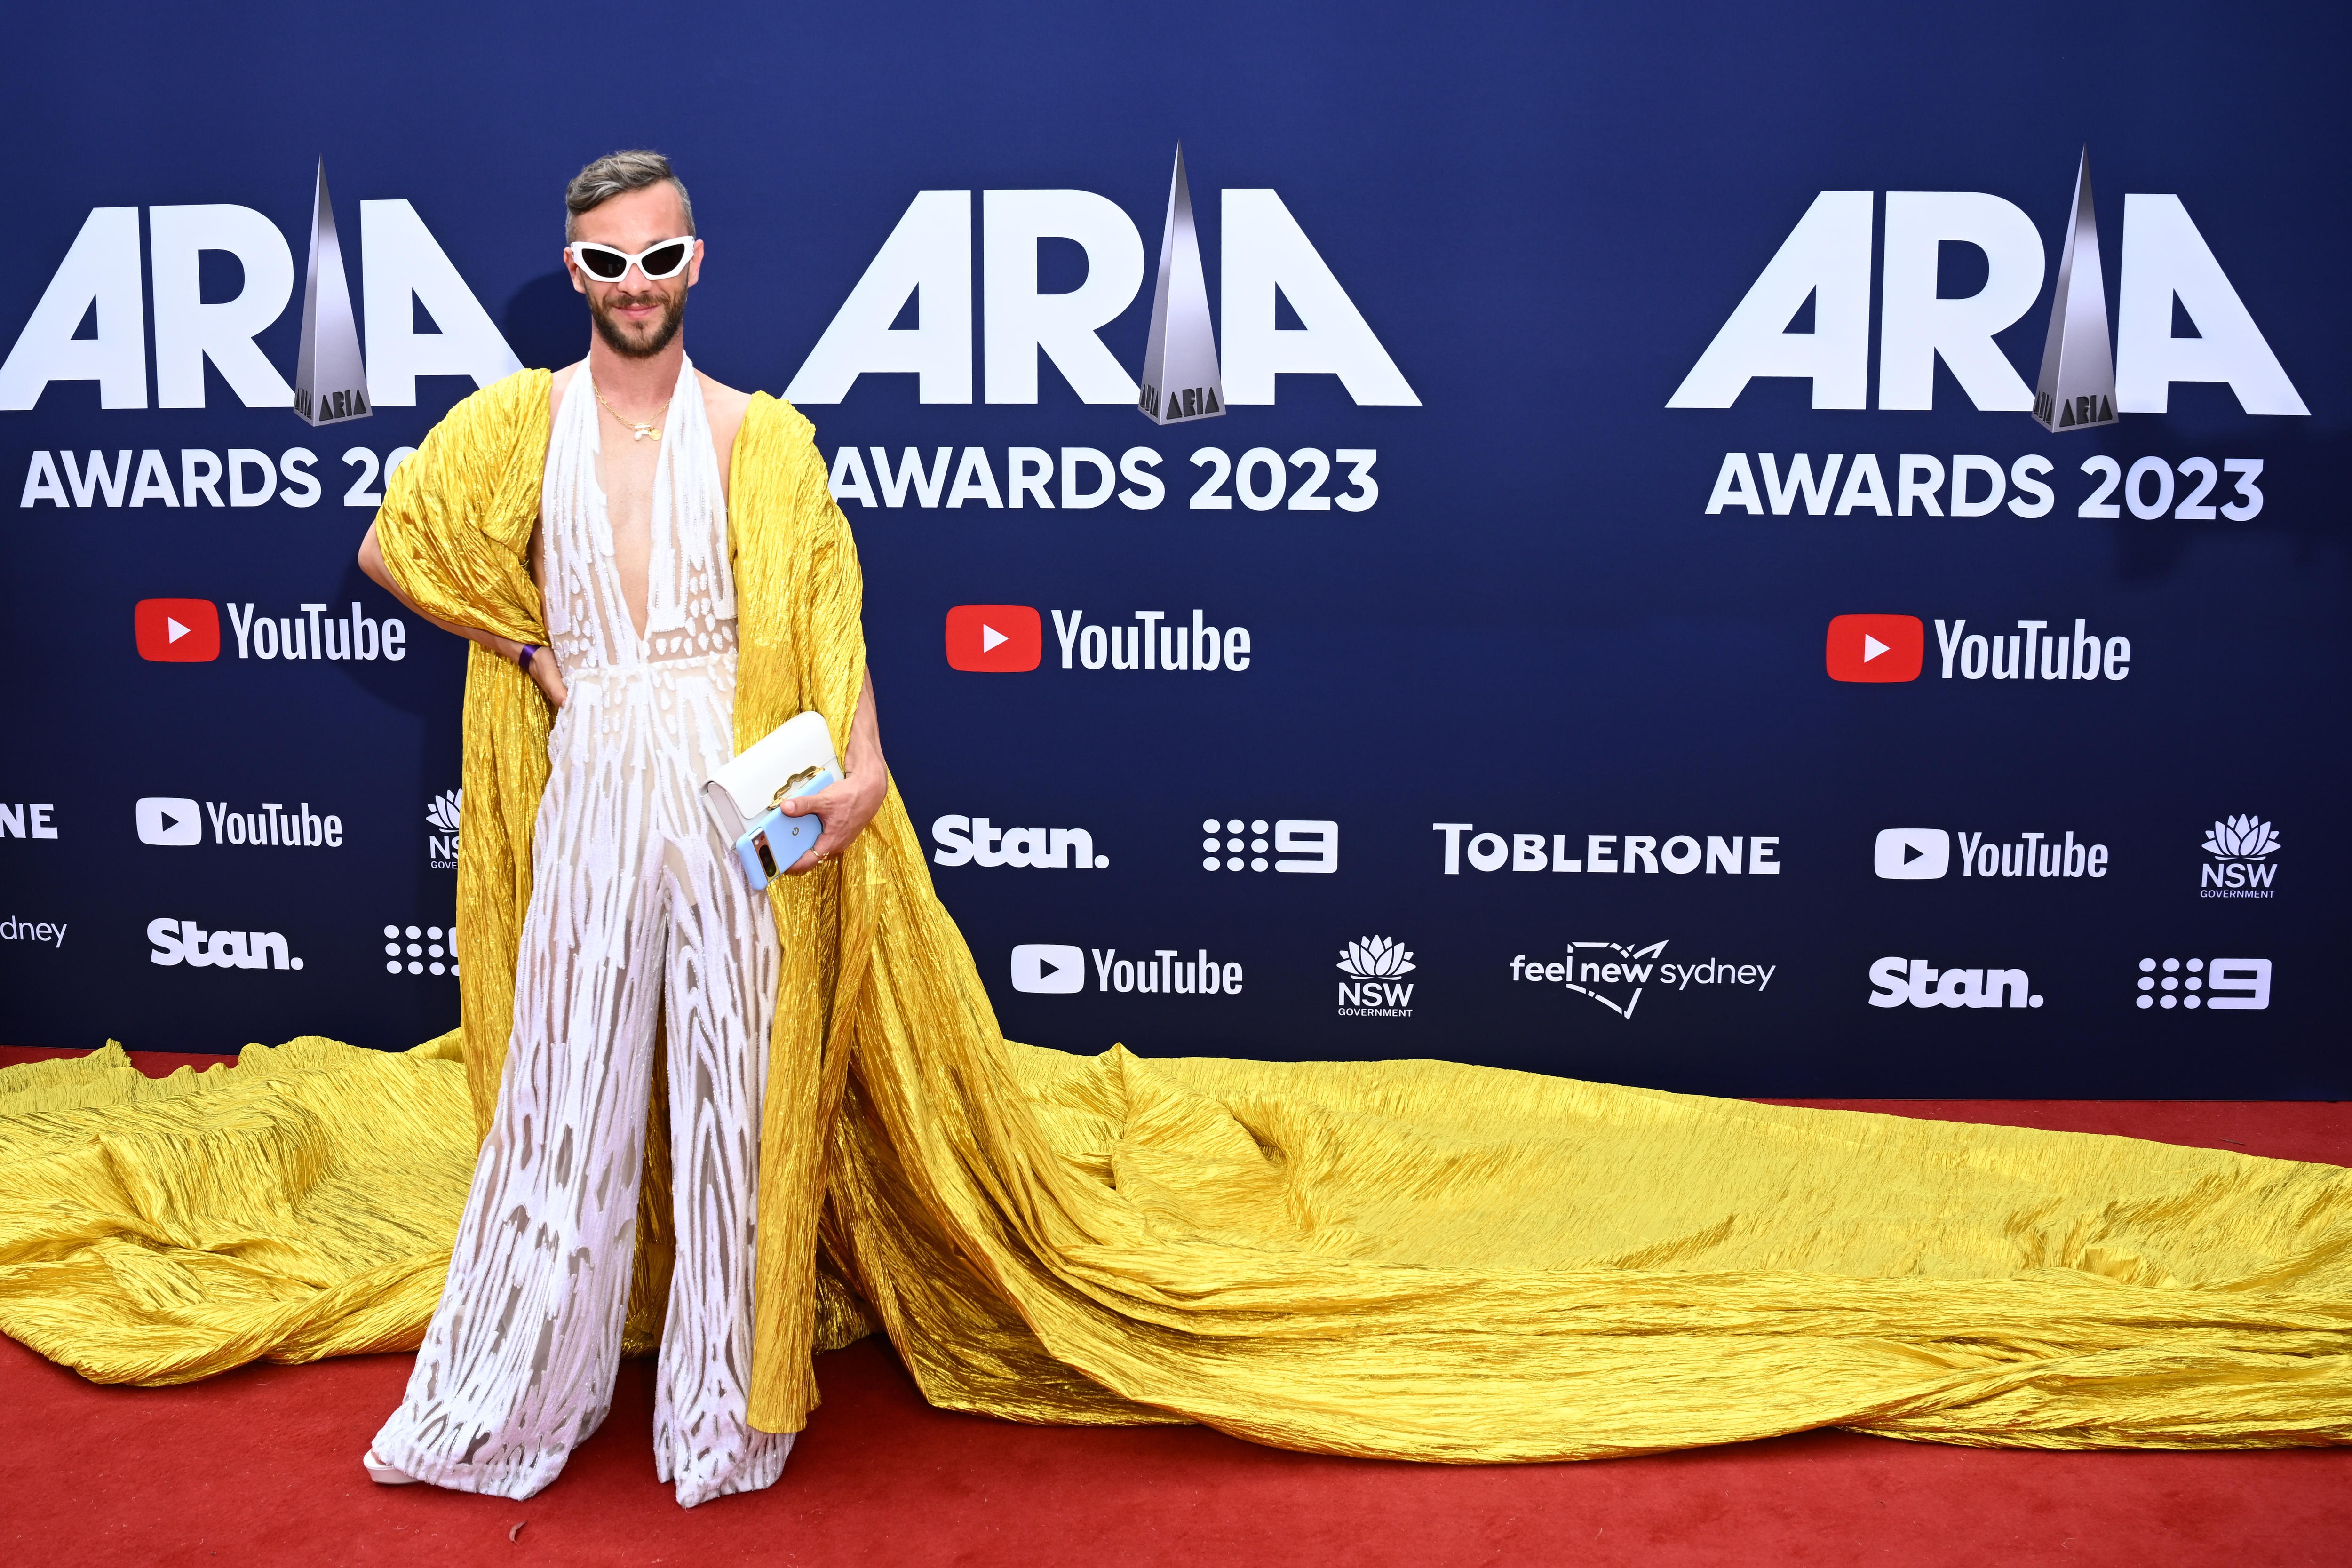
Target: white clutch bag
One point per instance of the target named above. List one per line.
(744, 797)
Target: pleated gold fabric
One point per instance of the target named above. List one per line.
(1410, 1259)
(297, 1206)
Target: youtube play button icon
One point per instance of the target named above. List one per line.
(1048, 967)
(1877, 647)
(1912, 854)
(994, 639)
(177, 631)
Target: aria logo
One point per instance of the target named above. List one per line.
(1826, 264)
(927, 262)
(2240, 867)
(1374, 967)
(441, 817)
(102, 275)
(431, 951)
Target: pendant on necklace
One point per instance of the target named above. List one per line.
(640, 432)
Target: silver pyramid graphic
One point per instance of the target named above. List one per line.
(2077, 387)
(330, 381)
(1180, 366)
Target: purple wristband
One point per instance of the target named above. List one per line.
(524, 655)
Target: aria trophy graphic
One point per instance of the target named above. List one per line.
(2077, 386)
(330, 381)
(1180, 365)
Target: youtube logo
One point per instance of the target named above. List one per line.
(1049, 968)
(1877, 647)
(988, 640)
(1912, 854)
(177, 631)
(169, 819)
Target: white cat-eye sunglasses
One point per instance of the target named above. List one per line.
(662, 259)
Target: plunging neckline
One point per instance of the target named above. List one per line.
(689, 602)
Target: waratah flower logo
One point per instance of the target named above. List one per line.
(443, 812)
(1375, 958)
(2240, 838)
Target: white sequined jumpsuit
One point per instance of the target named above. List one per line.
(637, 905)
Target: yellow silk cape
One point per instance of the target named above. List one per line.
(1407, 1258)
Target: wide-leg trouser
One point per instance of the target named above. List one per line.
(518, 1366)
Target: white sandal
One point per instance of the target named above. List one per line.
(384, 1475)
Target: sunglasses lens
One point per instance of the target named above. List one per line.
(667, 259)
(604, 264)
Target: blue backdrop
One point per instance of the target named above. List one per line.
(1541, 217)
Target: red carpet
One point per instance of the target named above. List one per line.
(261, 1467)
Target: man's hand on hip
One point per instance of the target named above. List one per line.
(548, 674)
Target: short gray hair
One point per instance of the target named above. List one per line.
(616, 174)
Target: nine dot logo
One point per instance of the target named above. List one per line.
(2223, 984)
(1299, 844)
(413, 951)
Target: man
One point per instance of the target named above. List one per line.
(1401, 1259)
(636, 915)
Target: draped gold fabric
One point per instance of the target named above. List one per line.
(1411, 1259)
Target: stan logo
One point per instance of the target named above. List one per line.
(976, 841)
(441, 817)
(1374, 967)
(184, 942)
(2240, 867)
(1909, 982)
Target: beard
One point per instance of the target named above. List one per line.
(632, 342)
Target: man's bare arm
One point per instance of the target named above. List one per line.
(543, 667)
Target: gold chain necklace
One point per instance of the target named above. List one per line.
(636, 431)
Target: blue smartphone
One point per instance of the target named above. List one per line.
(773, 841)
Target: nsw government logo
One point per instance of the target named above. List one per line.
(441, 817)
(1375, 987)
(2241, 867)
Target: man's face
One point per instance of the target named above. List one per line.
(634, 316)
